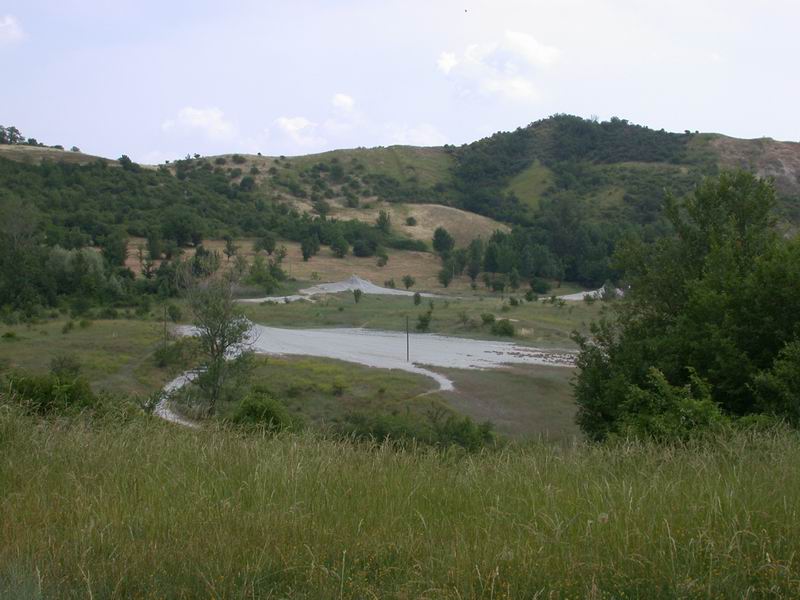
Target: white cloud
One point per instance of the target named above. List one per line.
(505, 67)
(211, 122)
(300, 130)
(343, 102)
(10, 30)
(532, 50)
(447, 62)
(423, 134)
(513, 88)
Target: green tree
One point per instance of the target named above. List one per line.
(339, 246)
(443, 242)
(384, 222)
(266, 242)
(408, 281)
(309, 246)
(716, 301)
(221, 329)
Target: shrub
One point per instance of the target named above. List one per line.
(357, 293)
(10, 336)
(174, 313)
(417, 299)
(503, 327)
(411, 221)
(238, 159)
(51, 394)
(65, 366)
(530, 296)
(665, 412)
(389, 283)
(68, 326)
(259, 409)
(424, 321)
(540, 286)
(513, 301)
(408, 281)
(487, 318)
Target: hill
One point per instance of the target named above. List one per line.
(549, 200)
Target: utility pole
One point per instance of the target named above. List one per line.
(408, 347)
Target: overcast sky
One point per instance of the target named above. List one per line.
(157, 80)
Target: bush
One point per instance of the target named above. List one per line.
(424, 321)
(68, 326)
(259, 409)
(417, 299)
(540, 286)
(238, 159)
(51, 394)
(65, 366)
(487, 318)
(389, 283)
(411, 221)
(503, 327)
(665, 412)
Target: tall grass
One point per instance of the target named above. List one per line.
(145, 509)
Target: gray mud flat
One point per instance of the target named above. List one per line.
(354, 283)
(387, 350)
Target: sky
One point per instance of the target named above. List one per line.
(159, 80)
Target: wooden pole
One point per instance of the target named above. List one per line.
(408, 347)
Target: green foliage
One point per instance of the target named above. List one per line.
(417, 298)
(503, 327)
(340, 246)
(443, 242)
(259, 409)
(487, 318)
(424, 321)
(664, 412)
(778, 388)
(384, 222)
(408, 281)
(52, 394)
(411, 221)
(717, 299)
(357, 293)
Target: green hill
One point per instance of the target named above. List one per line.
(570, 188)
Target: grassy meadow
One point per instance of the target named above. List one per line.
(537, 323)
(144, 509)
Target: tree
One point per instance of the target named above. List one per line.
(384, 222)
(266, 243)
(474, 258)
(357, 293)
(115, 248)
(715, 302)
(443, 242)
(221, 329)
(446, 275)
(339, 246)
(408, 281)
(230, 248)
(309, 246)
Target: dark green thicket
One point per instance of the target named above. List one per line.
(710, 325)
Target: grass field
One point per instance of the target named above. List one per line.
(114, 355)
(538, 323)
(148, 510)
(531, 184)
(117, 356)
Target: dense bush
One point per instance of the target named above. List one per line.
(503, 327)
(51, 394)
(716, 302)
(259, 409)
